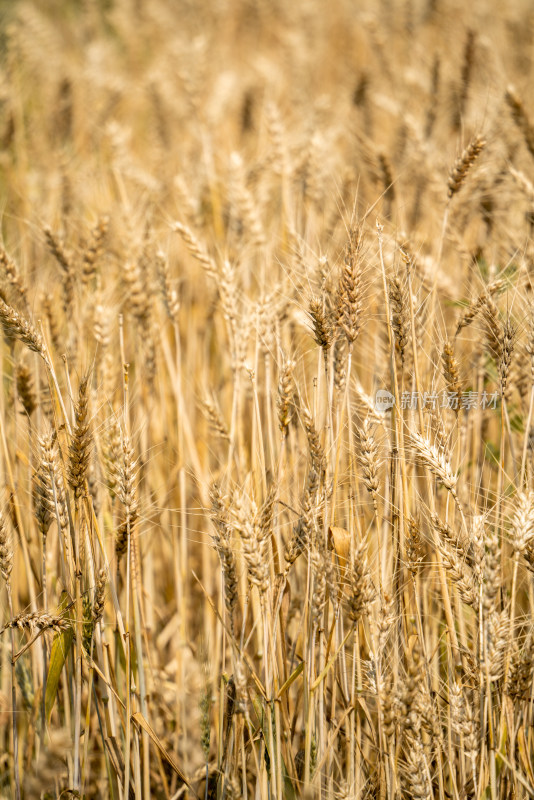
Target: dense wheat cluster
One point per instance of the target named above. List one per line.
(267, 401)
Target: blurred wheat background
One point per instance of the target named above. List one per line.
(226, 570)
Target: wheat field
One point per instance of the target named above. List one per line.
(267, 400)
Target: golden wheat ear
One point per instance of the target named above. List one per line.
(463, 165)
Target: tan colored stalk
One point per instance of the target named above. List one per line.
(431, 461)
